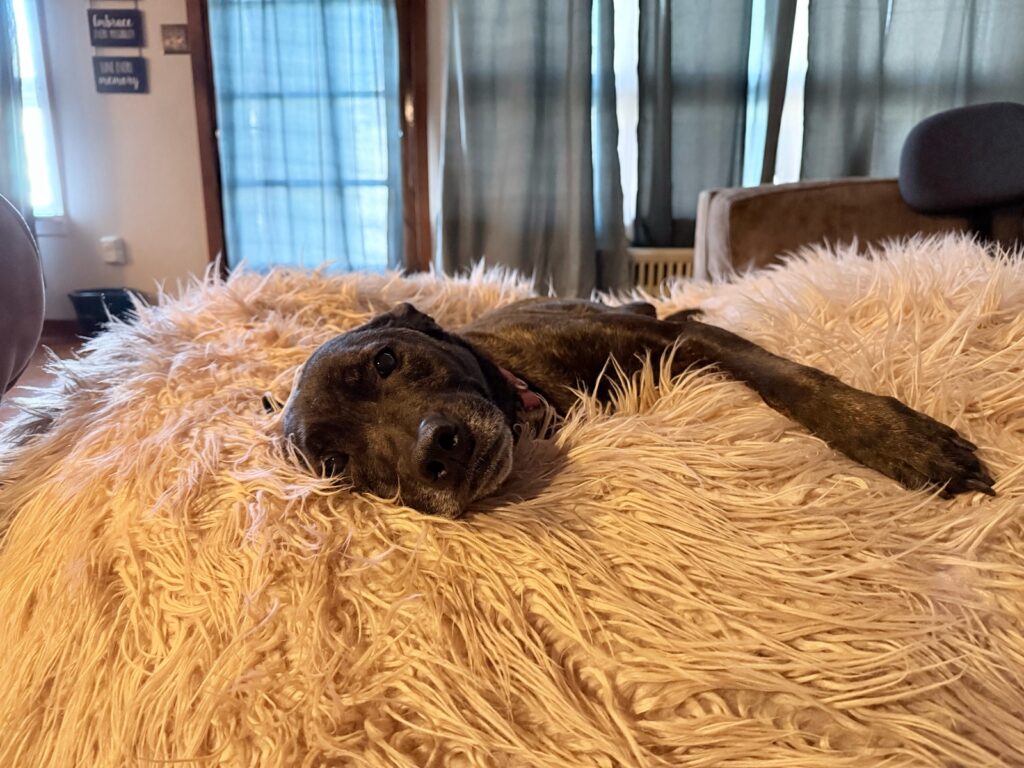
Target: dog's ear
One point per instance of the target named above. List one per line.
(405, 315)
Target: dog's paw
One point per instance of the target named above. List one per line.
(915, 449)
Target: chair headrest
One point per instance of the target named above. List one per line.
(965, 159)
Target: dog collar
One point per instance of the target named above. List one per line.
(528, 399)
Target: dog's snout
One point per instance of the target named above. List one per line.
(443, 446)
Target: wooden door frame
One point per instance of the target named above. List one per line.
(412, 88)
(206, 123)
(412, 91)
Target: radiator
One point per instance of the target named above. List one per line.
(653, 266)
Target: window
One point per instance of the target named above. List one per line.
(627, 103)
(791, 132)
(37, 126)
(307, 107)
(788, 154)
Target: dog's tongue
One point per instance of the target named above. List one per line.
(529, 399)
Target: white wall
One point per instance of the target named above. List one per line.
(129, 162)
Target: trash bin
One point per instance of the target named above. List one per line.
(95, 306)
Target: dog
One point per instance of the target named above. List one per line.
(405, 409)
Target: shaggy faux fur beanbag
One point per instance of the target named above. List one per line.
(688, 580)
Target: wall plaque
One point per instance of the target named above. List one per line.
(115, 28)
(120, 74)
(174, 37)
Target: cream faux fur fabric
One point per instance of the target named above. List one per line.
(692, 580)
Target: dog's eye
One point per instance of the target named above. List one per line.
(385, 362)
(334, 464)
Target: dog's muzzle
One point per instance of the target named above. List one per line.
(444, 448)
(458, 462)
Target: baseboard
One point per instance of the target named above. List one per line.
(60, 328)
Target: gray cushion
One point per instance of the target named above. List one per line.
(21, 295)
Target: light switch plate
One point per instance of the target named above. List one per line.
(113, 249)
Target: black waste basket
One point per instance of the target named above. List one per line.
(96, 306)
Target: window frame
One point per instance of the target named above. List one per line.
(197, 22)
(412, 91)
(46, 224)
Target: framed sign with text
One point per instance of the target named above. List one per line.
(120, 74)
(110, 28)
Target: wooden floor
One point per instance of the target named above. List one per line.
(63, 343)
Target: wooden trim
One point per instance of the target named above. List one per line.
(412, 89)
(206, 123)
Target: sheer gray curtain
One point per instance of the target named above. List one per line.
(530, 173)
(693, 102)
(878, 67)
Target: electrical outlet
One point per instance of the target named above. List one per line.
(112, 248)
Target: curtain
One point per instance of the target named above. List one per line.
(693, 102)
(876, 68)
(530, 175)
(307, 108)
(14, 184)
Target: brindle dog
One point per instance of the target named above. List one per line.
(400, 406)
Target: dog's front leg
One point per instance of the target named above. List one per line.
(879, 432)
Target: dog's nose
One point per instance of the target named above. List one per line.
(443, 447)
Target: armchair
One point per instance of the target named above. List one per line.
(960, 171)
(21, 295)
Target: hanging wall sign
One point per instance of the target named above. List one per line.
(120, 74)
(115, 28)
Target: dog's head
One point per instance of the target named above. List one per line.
(398, 406)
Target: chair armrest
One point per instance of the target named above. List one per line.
(742, 228)
(21, 295)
